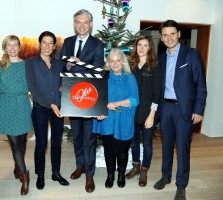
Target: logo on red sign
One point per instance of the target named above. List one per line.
(84, 95)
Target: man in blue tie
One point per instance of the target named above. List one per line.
(90, 50)
(183, 101)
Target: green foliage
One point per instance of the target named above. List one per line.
(99, 141)
(116, 35)
(67, 132)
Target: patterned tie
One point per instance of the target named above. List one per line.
(79, 49)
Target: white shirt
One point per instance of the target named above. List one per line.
(77, 44)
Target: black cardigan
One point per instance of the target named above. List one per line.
(149, 85)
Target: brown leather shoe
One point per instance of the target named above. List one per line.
(143, 177)
(134, 171)
(89, 187)
(77, 173)
(17, 173)
(25, 183)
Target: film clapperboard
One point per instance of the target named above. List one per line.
(84, 94)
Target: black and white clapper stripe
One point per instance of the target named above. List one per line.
(81, 75)
(98, 69)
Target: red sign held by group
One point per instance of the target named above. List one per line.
(84, 95)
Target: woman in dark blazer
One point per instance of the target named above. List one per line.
(145, 67)
(43, 78)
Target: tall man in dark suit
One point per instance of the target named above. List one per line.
(88, 49)
(183, 101)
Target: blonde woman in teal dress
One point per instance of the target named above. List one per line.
(15, 112)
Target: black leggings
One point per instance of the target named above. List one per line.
(18, 145)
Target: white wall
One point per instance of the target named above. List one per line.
(213, 122)
(31, 17)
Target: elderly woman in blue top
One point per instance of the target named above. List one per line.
(117, 129)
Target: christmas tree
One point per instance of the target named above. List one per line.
(115, 34)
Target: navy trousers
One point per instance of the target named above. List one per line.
(84, 142)
(175, 130)
(41, 117)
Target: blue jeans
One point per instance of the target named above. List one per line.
(41, 117)
(147, 136)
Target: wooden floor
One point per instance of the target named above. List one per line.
(206, 178)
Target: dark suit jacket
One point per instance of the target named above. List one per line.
(189, 81)
(92, 53)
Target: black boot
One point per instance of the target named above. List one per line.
(110, 180)
(111, 166)
(121, 179)
(122, 160)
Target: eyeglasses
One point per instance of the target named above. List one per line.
(85, 23)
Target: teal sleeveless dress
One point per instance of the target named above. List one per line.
(15, 106)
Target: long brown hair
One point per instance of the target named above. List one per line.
(5, 57)
(151, 59)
